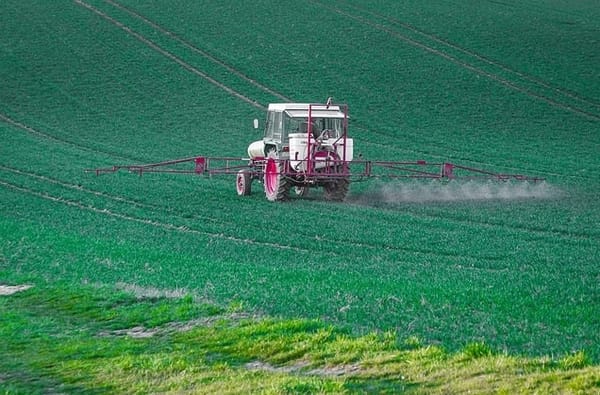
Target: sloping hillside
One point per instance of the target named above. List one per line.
(510, 85)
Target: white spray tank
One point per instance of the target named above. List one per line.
(256, 149)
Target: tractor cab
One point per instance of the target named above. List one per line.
(319, 127)
(285, 120)
(304, 146)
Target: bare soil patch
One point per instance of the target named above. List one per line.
(6, 290)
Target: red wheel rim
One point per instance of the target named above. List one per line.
(270, 176)
(240, 183)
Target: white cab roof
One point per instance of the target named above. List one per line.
(300, 110)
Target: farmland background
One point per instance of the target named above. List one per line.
(510, 85)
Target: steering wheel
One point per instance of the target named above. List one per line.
(325, 134)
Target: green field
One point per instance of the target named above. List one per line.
(511, 86)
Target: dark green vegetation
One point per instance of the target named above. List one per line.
(511, 86)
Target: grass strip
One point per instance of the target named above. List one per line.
(95, 339)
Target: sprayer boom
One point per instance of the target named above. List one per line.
(307, 146)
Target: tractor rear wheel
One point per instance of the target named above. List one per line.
(277, 187)
(301, 191)
(337, 189)
(243, 182)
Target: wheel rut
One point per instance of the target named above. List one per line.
(472, 61)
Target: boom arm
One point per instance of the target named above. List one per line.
(358, 169)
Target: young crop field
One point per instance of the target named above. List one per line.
(510, 86)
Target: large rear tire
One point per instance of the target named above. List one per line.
(277, 187)
(337, 189)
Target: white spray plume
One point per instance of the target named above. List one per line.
(454, 191)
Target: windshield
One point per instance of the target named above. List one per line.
(300, 125)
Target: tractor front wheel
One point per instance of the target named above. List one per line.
(243, 182)
(277, 187)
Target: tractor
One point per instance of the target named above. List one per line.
(304, 146)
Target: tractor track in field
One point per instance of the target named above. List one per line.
(187, 44)
(574, 237)
(147, 221)
(394, 21)
(169, 55)
(484, 59)
(47, 136)
(197, 50)
(187, 229)
(511, 84)
(116, 198)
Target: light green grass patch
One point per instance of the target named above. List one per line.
(87, 339)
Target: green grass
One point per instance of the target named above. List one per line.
(510, 86)
(95, 340)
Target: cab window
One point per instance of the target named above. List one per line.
(273, 129)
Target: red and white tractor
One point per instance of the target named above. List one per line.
(304, 146)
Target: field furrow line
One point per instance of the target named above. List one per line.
(59, 141)
(519, 74)
(551, 234)
(35, 132)
(464, 64)
(147, 221)
(47, 136)
(47, 180)
(106, 195)
(197, 50)
(170, 55)
(349, 243)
